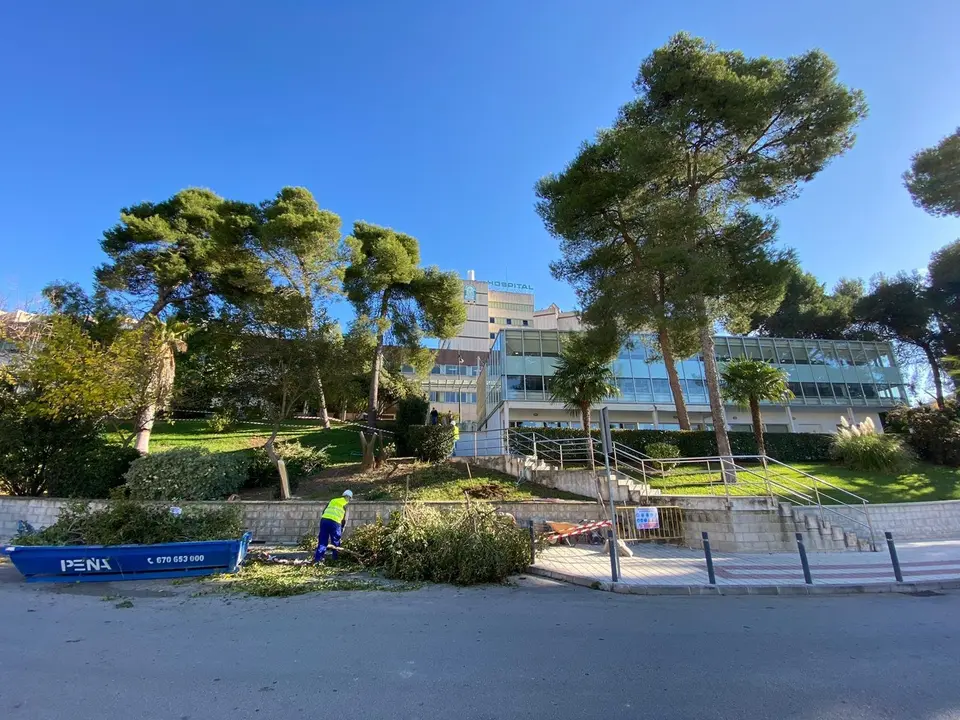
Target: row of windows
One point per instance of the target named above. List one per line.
(631, 389)
(613, 426)
(509, 321)
(695, 390)
(775, 350)
(447, 396)
(805, 352)
(467, 370)
(517, 307)
(841, 392)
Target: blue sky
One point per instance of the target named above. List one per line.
(435, 118)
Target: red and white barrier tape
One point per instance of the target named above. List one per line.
(579, 529)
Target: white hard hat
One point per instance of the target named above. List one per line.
(348, 493)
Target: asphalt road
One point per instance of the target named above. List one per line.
(534, 651)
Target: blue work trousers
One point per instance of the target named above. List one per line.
(330, 532)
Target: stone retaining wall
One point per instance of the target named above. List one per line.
(287, 522)
(907, 521)
(742, 524)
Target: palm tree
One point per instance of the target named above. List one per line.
(581, 378)
(746, 382)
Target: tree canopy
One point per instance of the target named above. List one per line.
(710, 133)
(403, 300)
(582, 377)
(747, 383)
(809, 311)
(933, 179)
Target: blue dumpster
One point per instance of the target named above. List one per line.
(102, 563)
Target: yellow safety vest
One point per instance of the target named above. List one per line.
(336, 510)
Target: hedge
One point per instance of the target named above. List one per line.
(785, 447)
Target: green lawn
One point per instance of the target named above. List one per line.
(344, 442)
(449, 481)
(922, 482)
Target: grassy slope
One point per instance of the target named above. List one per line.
(446, 482)
(922, 482)
(344, 442)
(439, 482)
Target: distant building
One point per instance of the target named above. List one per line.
(492, 306)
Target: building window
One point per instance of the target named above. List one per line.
(826, 391)
(509, 321)
(550, 343)
(514, 386)
(534, 383)
(525, 323)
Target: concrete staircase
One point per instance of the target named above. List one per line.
(821, 533)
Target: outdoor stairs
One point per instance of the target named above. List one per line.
(822, 533)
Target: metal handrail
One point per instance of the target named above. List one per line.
(813, 477)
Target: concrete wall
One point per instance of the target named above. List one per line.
(287, 522)
(747, 524)
(907, 521)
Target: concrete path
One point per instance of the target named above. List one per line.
(665, 565)
(541, 650)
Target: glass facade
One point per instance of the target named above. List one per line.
(821, 372)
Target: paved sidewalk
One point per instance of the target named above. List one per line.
(665, 565)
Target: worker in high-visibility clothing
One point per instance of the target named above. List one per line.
(331, 525)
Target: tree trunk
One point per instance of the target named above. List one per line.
(757, 425)
(585, 419)
(269, 448)
(712, 376)
(935, 369)
(322, 402)
(144, 424)
(377, 365)
(666, 349)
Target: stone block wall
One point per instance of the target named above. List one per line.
(287, 522)
(907, 521)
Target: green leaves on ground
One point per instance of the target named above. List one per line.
(464, 547)
(125, 521)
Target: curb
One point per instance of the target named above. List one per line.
(905, 588)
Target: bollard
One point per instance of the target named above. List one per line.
(803, 560)
(897, 573)
(613, 555)
(709, 555)
(533, 543)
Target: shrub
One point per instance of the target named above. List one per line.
(301, 461)
(92, 473)
(186, 474)
(37, 452)
(464, 547)
(411, 410)
(124, 521)
(431, 443)
(861, 447)
(785, 447)
(663, 450)
(933, 433)
(220, 422)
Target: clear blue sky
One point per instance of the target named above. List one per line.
(434, 117)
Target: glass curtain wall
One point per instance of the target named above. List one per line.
(820, 372)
